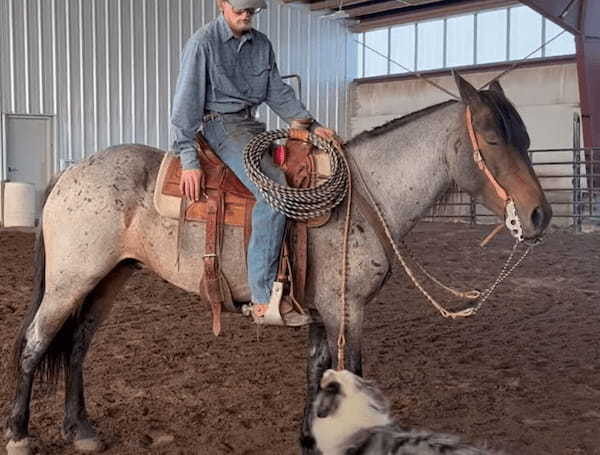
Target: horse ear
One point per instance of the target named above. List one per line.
(468, 93)
(496, 87)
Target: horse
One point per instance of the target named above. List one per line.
(99, 221)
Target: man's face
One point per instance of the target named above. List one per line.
(240, 21)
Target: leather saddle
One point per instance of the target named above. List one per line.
(230, 203)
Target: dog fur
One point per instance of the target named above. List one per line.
(351, 416)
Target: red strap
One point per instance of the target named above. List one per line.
(478, 157)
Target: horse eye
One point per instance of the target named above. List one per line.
(492, 141)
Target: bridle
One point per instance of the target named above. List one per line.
(511, 217)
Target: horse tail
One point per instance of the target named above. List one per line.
(58, 353)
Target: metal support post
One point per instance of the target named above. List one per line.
(577, 196)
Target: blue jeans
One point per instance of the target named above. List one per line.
(228, 135)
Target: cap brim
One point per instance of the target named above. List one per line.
(244, 4)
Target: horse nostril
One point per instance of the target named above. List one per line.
(537, 218)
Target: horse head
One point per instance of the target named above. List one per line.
(499, 172)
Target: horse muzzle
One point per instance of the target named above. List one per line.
(531, 229)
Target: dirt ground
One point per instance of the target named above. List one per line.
(522, 376)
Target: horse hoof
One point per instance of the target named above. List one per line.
(89, 445)
(21, 447)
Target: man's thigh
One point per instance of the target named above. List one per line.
(231, 151)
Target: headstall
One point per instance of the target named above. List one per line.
(511, 217)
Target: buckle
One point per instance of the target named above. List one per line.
(247, 111)
(210, 116)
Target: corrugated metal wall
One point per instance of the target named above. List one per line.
(107, 69)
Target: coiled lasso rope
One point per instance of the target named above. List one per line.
(297, 203)
(306, 203)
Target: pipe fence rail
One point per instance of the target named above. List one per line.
(570, 178)
(570, 185)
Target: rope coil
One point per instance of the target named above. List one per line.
(297, 203)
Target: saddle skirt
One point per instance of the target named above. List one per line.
(230, 203)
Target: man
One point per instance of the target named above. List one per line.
(227, 70)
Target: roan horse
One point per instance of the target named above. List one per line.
(99, 218)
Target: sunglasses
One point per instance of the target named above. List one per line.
(250, 11)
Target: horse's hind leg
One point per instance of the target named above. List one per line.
(76, 426)
(32, 348)
(18, 422)
(45, 341)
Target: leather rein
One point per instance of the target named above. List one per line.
(511, 220)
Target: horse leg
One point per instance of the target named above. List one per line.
(354, 332)
(17, 427)
(31, 349)
(45, 341)
(77, 427)
(322, 348)
(319, 360)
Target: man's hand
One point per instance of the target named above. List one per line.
(192, 184)
(328, 134)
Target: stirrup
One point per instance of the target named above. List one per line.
(272, 316)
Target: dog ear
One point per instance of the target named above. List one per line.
(328, 400)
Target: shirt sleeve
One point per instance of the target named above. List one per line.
(188, 103)
(281, 97)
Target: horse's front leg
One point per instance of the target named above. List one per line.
(319, 360)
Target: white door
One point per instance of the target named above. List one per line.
(29, 151)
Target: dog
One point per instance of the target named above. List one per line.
(351, 416)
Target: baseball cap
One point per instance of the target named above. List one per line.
(245, 4)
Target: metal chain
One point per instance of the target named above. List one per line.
(504, 273)
(297, 203)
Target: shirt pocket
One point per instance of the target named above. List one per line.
(224, 82)
(258, 79)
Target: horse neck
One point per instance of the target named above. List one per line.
(406, 168)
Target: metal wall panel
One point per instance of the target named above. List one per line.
(107, 69)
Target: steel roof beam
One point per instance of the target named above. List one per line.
(434, 10)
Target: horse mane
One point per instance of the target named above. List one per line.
(397, 122)
(512, 127)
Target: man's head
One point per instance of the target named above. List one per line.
(239, 13)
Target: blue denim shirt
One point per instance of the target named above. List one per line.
(221, 73)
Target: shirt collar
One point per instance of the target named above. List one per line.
(226, 34)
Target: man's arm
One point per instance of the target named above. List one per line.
(282, 99)
(186, 117)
